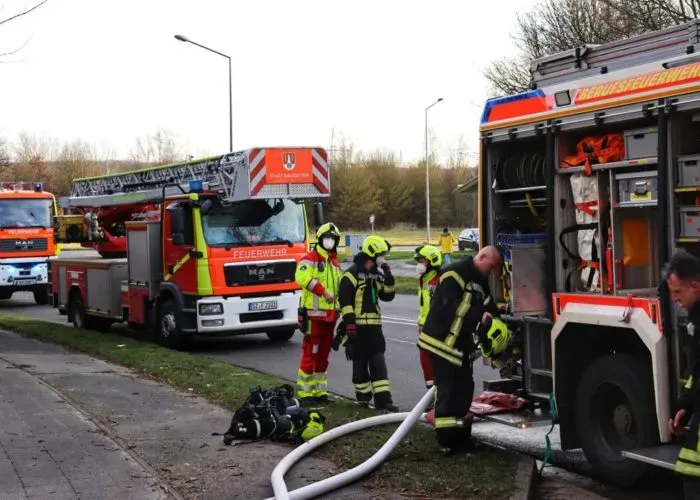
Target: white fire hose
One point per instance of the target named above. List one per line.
(279, 487)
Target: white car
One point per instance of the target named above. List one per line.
(469, 239)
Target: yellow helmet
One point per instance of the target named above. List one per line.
(496, 339)
(313, 427)
(329, 229)
(374, 246)
(430, 253)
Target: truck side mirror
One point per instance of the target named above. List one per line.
(177, 224)
(318, 214)
(205, 207)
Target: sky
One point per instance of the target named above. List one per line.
(305, 73)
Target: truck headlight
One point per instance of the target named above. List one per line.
(211, 309)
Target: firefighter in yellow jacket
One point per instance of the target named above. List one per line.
(318, 275)
(429, 261)
(462, 317)
(362, 286)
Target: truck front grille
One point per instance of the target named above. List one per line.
(24, 245)
(259, 274)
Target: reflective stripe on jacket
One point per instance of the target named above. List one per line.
(426, 287)
(459, 301)
(360, 293)
(317, 272)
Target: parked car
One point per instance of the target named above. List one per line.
(469, 239)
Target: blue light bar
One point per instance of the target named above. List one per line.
(196, 186)
(37, 187)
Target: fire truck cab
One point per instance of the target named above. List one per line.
(216, 257)
(26, 239)
(588, 182)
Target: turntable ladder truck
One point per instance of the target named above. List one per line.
(215, 256)
(589, 181)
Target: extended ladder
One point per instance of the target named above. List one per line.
(236, 176)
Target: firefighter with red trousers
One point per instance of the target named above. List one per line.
(429, 261)
(462, 317)
(318, 274)
(362, 286)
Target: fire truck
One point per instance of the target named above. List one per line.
(214, 254)
(26, 239)
(589, 181)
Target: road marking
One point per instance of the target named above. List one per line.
(402, 341)
(404, 323)
(400, 318)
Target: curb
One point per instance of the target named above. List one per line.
(526, 479)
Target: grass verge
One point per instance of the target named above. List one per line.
(406, 285)
(414, 466)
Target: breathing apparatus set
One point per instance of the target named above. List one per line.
(273, 414)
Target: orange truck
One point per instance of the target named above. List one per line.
(216, 257)
(26, 239)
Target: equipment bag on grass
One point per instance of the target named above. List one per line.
(273, 414)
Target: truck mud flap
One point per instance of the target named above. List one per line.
(663, 456)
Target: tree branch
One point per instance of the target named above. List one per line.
(13, 52)
(23, 13)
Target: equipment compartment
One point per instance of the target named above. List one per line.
(641, 143)
(689, 222)
(689, 171)
(637, 187)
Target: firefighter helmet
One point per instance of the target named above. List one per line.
(429, 253)
(374, 246)
(313, 427)
(328, 229)
(496, 338)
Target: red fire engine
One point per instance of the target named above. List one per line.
(213, 252)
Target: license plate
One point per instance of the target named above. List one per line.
(262, 306)
(25, 282)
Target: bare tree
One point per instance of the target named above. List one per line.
(16, 16)
(556, 25)
(159, 148)
(76, 159)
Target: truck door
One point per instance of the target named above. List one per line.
(178, 243)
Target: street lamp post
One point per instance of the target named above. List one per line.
(183, 38)
(427, 174)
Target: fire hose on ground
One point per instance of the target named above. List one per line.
(407, 419)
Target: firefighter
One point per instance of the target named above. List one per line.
(683, 280)
(462, 315)
(362, 286)
(429, 261)
(318, 274)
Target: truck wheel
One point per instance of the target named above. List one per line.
(41, 295)
(615, 411)
(77, 312)
(169, 332)
(281, 335)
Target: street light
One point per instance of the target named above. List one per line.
(427, 174)
(182, 38)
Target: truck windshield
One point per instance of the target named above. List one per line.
(254, 222)
(25, 212)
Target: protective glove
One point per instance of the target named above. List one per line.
(349, 348)
(340, 336)
(350, 330)
(386, 268)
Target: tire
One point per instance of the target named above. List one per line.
(168, 327)
(614, 410)
(462, 246)
(41, 295)
(281, 335)
(77, 313)
(5, 295)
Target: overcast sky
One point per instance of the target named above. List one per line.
(108, 71)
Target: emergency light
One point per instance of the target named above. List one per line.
(196, 186)
(37, 187)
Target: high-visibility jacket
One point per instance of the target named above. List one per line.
(688, 461)
(317, 272)
(426, 287)
(460, 300)
(446, 242)
(360, 293)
